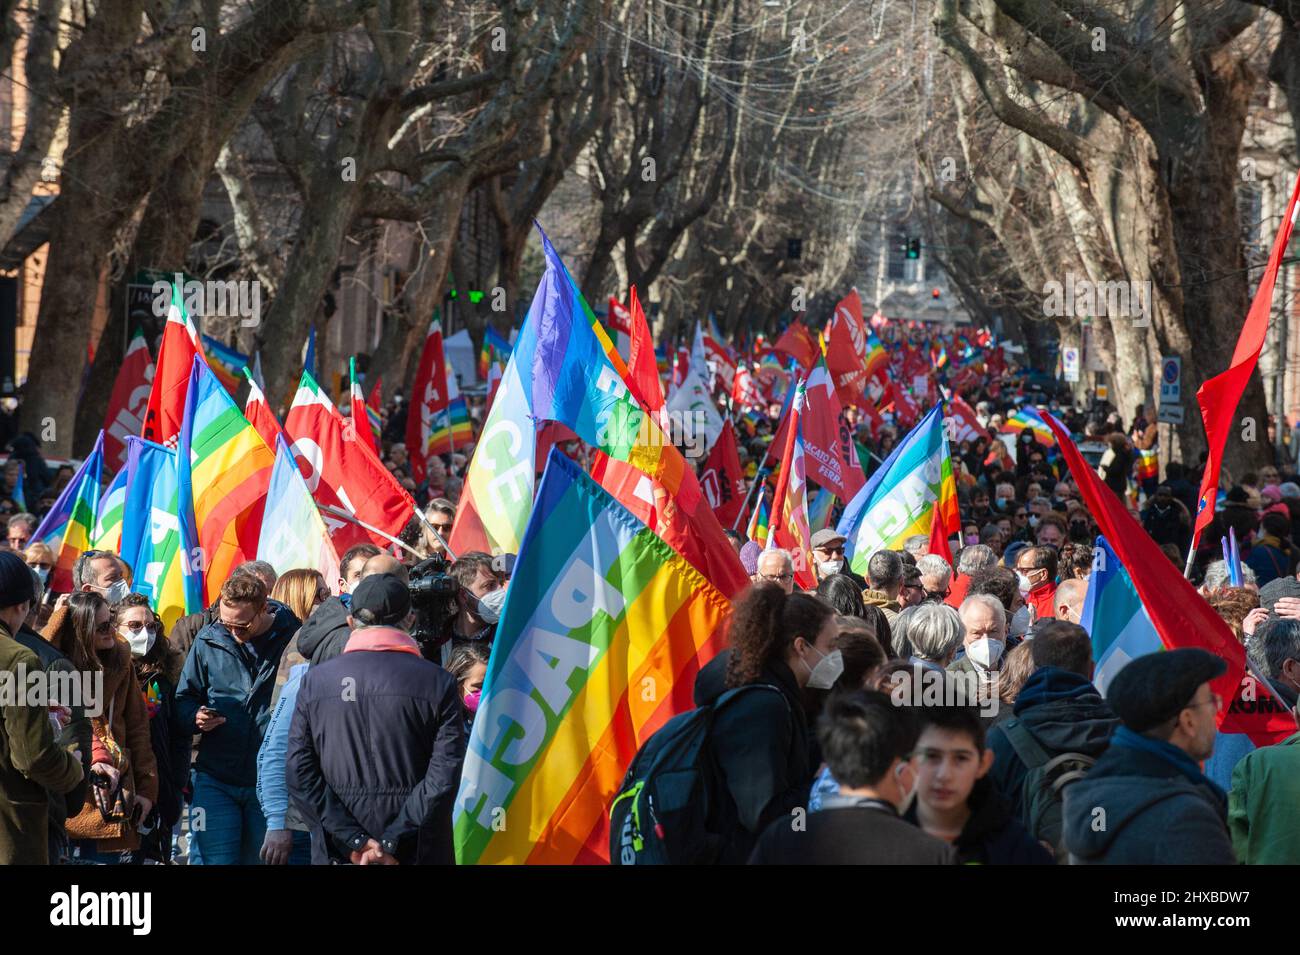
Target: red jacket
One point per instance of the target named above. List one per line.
(1042, 598)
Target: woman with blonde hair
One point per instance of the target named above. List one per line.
(302, 591)
(124, 772)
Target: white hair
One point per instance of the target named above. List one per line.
(780, 552)
(935, 631)
(975, 557)
(1216, 575)
(915, 543)
(932, 565)
(988, 600)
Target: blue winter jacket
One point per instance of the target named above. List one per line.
(272, 793)
(237, 681)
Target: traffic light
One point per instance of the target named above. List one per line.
(913, 247)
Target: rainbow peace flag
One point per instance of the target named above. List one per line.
(452, 428)
(897, 502)
(108, 519)
(293, 532)
(877, 360)
(224, 472)
(603, 632)
(1148, 465)
(1027, 419)
(151, 539)
(68, 526)
(819, 510)
(226, 363)
(19, 497)
(495, 350)
(758, 523)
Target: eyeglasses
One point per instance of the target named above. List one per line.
(774, 578)
(1214, 698)
(135, 626)
(443, 529)
(237, 627)
(838, 550)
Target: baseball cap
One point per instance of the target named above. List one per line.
(386, 599)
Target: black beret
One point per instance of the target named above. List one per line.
(1155, 688)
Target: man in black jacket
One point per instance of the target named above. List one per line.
(374, 768)
(1058, 706)
(867, 742)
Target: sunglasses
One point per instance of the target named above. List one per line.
(136, 626)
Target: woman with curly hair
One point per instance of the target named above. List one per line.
(780, 645)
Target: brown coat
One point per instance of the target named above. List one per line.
(123, 705)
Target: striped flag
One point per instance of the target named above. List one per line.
(759, 521)
(373, 404)
(259, 413)
(819, 511)
(19, 496)
(226, 363)
(602, 634)
(1027, 419)
(790, 501)
(166, 406)
(452, 428)
(108, 519)
(67, 528)
(293, 532)
(360, 413)
(895, 503)
(1114, 617)
(151, 543)
(224, 470)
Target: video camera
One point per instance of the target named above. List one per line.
(433, 595)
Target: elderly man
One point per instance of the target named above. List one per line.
(985, 621)
(918, 545)
(828, 557)
(775, 566)
(936, 577)
(1068, 599)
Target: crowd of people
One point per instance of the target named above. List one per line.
(925, 711)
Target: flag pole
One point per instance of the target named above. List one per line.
(419, 513)
(352, 518)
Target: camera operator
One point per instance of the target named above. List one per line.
(476, 605)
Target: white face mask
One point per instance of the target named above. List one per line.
(1033, 520)
(985, 653)
(827, 670)
(117, 592)
(1024, 582)
(829, 567)
(141, 640)
(43, 573)
(490, 604)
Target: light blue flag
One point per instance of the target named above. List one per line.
(1114, 617)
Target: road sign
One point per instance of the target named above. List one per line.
(1170, 414)
(1171, 374)
(1103, 392)
(1070, 363)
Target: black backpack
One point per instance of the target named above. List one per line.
(1042, 796)
(673, 807)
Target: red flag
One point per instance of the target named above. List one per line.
(724, 365)
(682, 522)
(1220, 395)
(360, 417)
(722, 479)
(260, 415)
(906, 410)
(344, 473)
(681, 365)
(1181, 615)
(799, 343)
(619, 318)
(643, 370)
(744, 391)
(789, 517)
(939, 535)
(846, 350)
(171, 380)
(376, 399)
(831, 459)
(965, 426)
(128, 404)
(428, 400)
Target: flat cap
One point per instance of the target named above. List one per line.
(1155, 688)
